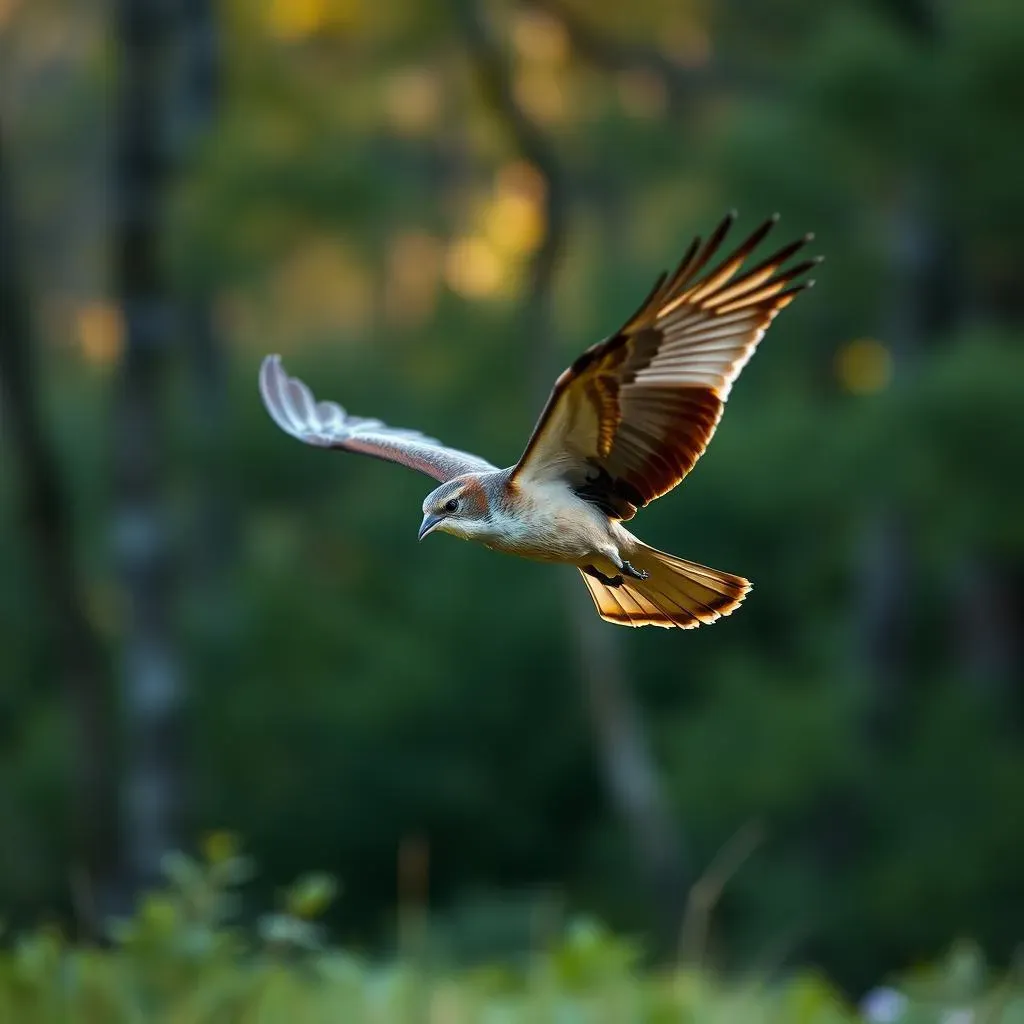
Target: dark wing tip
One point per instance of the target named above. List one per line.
(797, 269)
(635, 319)
(720, 232)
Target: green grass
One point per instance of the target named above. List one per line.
(180, 960)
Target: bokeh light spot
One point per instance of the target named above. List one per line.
(687, 43)
(414, 270)
(520, 177)
(541, 94)
(101, 332)
(472, 268)
(294, 19)
(413, 100)
(541, 37)
(514, 223)
(864, 366)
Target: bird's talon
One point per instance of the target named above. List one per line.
(637, 574)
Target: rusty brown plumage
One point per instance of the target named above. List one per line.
(656, 388)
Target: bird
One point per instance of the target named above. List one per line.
(623, 425)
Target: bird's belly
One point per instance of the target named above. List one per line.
(554, 534)
(542, 549)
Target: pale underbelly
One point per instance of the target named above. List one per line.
(563, 543)
(554, 550)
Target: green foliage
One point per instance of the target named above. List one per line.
(182, 959)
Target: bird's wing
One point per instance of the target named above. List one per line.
(629, 419)
(326, 424)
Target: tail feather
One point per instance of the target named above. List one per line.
(676, 593)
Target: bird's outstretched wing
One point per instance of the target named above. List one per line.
(326, 424)
(629, 419)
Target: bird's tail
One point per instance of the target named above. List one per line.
(676, 593)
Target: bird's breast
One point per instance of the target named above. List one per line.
(549, 523)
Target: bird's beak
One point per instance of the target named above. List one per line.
(430, 522)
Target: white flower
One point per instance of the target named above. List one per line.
(887, 1006)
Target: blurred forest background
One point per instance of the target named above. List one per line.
(429, 209)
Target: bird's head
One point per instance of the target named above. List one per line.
(459, 507)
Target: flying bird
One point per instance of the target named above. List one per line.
(623, 425)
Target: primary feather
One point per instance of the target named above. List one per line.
(631, 416)
(326, 424)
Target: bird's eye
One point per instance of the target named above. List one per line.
(452, 505)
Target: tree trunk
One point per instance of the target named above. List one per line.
(153, 687)
(48, 528)
(987, 634)
(884, 567)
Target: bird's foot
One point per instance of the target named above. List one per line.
(629, 570)
(608, 581)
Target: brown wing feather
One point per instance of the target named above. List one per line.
(325, 424)
(633, 414)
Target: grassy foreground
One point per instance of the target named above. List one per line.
(180, 960)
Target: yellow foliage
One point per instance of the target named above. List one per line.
(473, 269)
(292, 20)
(514, 223)
(414, 271)
(541, 93)
(520, 177)
(539, 36)
(413, 100)
(101, 332)
(324, 286)
(687, 43)
(7, 9)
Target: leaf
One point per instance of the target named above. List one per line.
(311, 895)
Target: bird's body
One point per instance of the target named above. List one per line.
(624, 424)
(546, 523)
